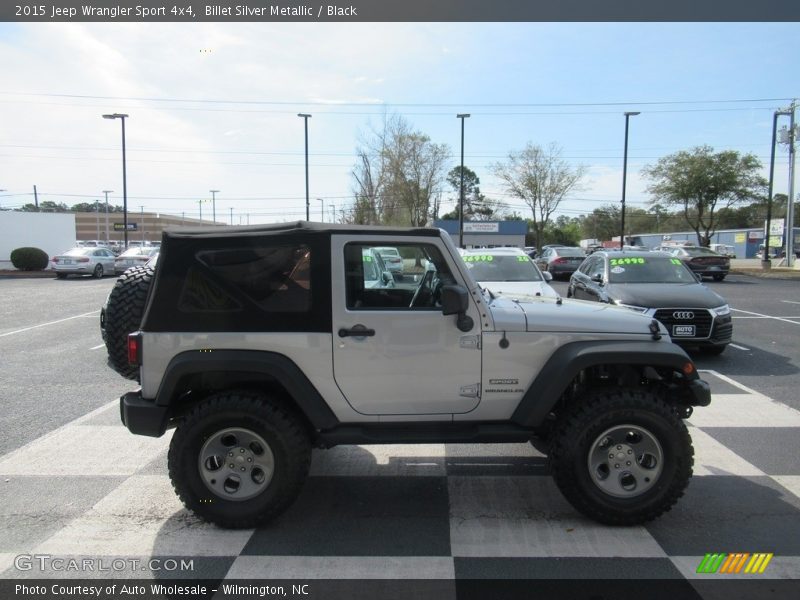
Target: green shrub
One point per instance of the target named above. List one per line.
(29, 259)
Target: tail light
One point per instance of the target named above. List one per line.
(135, 349)
(55, 259)
(560, 261)
(83, 259)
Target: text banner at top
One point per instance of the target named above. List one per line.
(401, 11)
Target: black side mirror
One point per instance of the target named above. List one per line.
(455, 301)
(597, 278)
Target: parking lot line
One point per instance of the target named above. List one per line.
(732, 345)
(790, 301)
(747, 312)
(97, 347)
(49, 323)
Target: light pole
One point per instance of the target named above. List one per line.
(200, 204)
(766, 263)
(97, 218)
(231, 216)
(306, 117)
(142, 219)
(628, 115)
(107, 192)
(333, 212)
(461, 116)
(214, 205)
(122, 117)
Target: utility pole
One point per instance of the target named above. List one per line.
(231, 216)
(766, 262)
(214, 205)
(306, 117)
(35, 198)
(322, 210)
(628, 115)
(142, 213)
(790, 202)
(107, 192)
(333, 211)
(97, 217)
(461, 116)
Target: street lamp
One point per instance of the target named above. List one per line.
(214, 205)
(461, 116)
(306, 117)
(628, 115)
(122, 117)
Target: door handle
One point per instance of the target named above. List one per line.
(356, 331)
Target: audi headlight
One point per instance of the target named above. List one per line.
(721, 311)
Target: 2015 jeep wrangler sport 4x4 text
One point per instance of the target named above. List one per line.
(259, 343)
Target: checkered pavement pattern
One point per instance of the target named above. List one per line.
(435, 512)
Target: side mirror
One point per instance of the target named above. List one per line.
(548, 276)
(455, 301)
(597, 278)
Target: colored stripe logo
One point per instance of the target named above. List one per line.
(736, 563)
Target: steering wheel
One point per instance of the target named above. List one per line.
(426, 282)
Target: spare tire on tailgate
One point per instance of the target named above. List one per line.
(123, 315)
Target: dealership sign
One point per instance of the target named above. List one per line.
(775, 226)
(481, 227)
(121, 227)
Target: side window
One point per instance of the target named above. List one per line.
(275, 278)
(597, 267)
(586, 267)
(413, 283)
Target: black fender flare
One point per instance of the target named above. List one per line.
(570, 359)
(271, 364)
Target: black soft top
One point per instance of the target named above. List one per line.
(294, 227)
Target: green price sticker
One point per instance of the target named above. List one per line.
(618, 262)
(479, 258)
(675, 261)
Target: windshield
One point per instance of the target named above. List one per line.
(649, 270)
(487, 267)
(569, 252)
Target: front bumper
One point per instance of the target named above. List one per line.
(700, 393)
(141, 416)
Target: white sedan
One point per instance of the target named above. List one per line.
(508, 272)
(84, 261)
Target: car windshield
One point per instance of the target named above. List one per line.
(700, 252)
(637, 269)
(488, 267)
(79, 252)
(569, 252)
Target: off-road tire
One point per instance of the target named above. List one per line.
(269, 417)
(124, 313)
(595, 413)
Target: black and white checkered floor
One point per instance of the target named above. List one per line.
(91, 489)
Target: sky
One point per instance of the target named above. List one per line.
(214, 105)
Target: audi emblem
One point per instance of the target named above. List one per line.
(683, 314)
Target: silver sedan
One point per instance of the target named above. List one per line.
(84, 261)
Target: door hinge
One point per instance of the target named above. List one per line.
(472, 342)
(471, 391)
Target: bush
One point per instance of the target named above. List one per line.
(29, 259)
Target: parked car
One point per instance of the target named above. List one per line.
(133, 257)
(508, 272)
(560, 260)
(84, 261)
(376, 273)
(703, 261)
(392, 259)
(530, 251)
(659, 286)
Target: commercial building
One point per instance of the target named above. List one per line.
(479, 234)
(145, 227)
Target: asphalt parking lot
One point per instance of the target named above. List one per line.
(75, 483)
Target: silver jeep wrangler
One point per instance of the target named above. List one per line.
(259, 343)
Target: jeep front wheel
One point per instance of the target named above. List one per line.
(622, 457)
(239, 459)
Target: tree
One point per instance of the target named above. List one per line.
(477, 207)
(541, 178)
(699, 181)
(398, 176)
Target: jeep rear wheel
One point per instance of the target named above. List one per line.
(622, 457)
(239, 459)
(123, 315)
